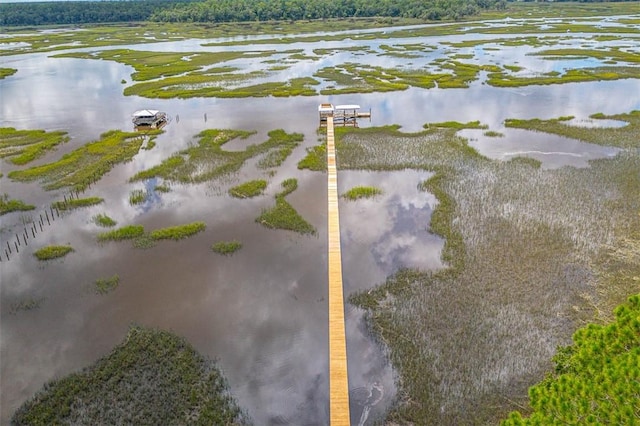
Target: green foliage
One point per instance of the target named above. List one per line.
(359, 192)
(597, 379)
(104, 221)
(623, 137)
(178, 232)
(283, 215)
(76, 203)
(52, 252)
(7, 72)
(315, 160)
(106, 285)
(8, 205)
(226, 247)
(124, 233)
(87, 164)
(249, 189)
(153, 377)
(24, 146)
(137, 196)
(493, 134)
(207, 160)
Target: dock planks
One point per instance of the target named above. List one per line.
(338, 377)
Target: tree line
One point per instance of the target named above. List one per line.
(270, 10)
(82, 12)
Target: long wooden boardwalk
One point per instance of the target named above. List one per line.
(338, 377)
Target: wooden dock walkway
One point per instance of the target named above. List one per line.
(338, 377)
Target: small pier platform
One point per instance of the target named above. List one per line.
(343, 115)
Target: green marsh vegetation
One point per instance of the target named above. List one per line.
(178, 232)
(144, 240)
(52, 252)
(226, 248)
(596, 380)
(104, 221)
(23, 146)
(493, 134)
(137, 196)
(531, 253)
(76, 203)
(316, 158)
(87, 164)
(359, 192)
(154, 65)
(107, 285)
(622, 137)
(283, 215)
(7, 72)
(207, 159)
(8, 205)
(127, 232)
(570, 76)
(152, 377)
(249, 189)
(27, 304)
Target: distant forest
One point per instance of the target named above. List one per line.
(83, 12)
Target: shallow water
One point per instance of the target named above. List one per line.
(261, 312)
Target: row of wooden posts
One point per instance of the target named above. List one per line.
(32, 228)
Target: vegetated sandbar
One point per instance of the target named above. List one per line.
(23, 146)
(7, 72)
(152, 377)
(87, 164)
(623, 137)
(8, 205)
(208, 160)
(283, 215)
(531, 253)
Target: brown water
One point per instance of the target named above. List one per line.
(263, 311)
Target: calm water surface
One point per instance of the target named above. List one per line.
(263, 311)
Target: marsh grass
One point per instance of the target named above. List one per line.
(8, 205)
(107, 285)
(87, 164)
(530, 254)
(162, 188)
(315, 160)
(152, 377)
(623, 137)
(226, 248)
(178, 232)
(493, 134)
(359, 192)
(207, 159)
(23, 146)
(76, 203)
(137, 196)
(603, 73)
(52, 252)
(104, 221)
(283, 215)
(7, 72)
(249, 189)
(127, 232)
(27, 304)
